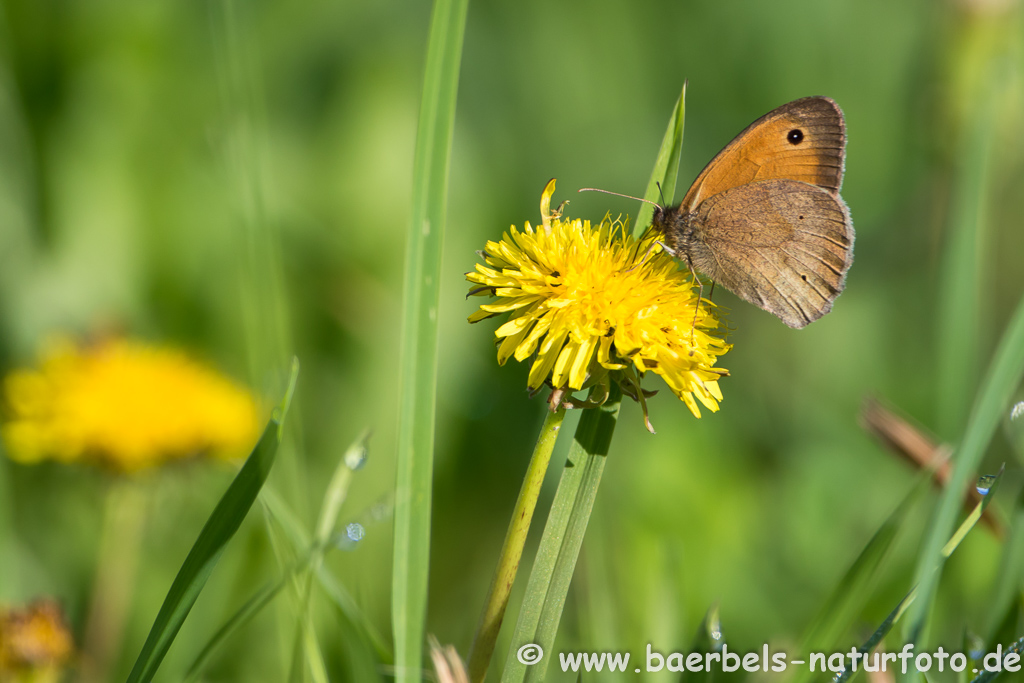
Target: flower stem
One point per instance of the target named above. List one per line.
(563, 536)
(124, 517)
(512, 549)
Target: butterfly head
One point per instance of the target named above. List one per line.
(675, 227)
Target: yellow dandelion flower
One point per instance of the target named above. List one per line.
(124, 404)
(35, 642)
(594, 304)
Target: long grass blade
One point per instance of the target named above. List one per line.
(1001, 381)
(250, 609)
(851, 592)
(959, 320)
(951, 545)
(418, 364)
(213, 539)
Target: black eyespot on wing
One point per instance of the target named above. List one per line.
(795, 136)
(804, 278)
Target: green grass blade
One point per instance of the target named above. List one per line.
(251, 608)
(961, 284)
(563, 535)
(347, 605)
(905, 604)
(334, 498)
(286, 520)
(851, 592)
(1001, 381)
(666, 166)
(1007, 590)
(202, 558)
(418, 364)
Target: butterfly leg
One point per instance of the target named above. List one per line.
(700, 294)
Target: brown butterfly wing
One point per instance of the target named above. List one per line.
(782, 245)
(804, 140)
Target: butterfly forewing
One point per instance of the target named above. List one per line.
(782, 245)
(804, 140)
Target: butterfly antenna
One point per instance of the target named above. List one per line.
(618, 194)
(661, 193)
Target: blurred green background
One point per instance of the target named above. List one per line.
(234, 177)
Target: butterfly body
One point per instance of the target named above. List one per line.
(765, 219)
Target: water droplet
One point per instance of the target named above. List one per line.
(1017, 411)
(975, 646)
(355, 532)
(985, 482)
(355, 458)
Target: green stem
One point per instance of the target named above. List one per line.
(512, 549)
(563, 536)
(124, 517)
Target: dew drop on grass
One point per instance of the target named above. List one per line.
(355, 458)
(985, 482)
(1013, 424)
(975, 646)
(355, 532)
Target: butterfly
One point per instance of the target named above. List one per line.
(765, 219)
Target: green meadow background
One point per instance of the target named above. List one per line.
(234, 177)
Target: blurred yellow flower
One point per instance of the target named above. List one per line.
(588, 303)
(126, 405)
(35, 643)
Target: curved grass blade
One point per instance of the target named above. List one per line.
(251, 608)
(224, 521)
(1001, 381)
(418, 362)
(851, 592)
(904, 604)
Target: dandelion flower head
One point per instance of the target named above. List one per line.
(35, 642)
(592, 304)
(126, 405)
